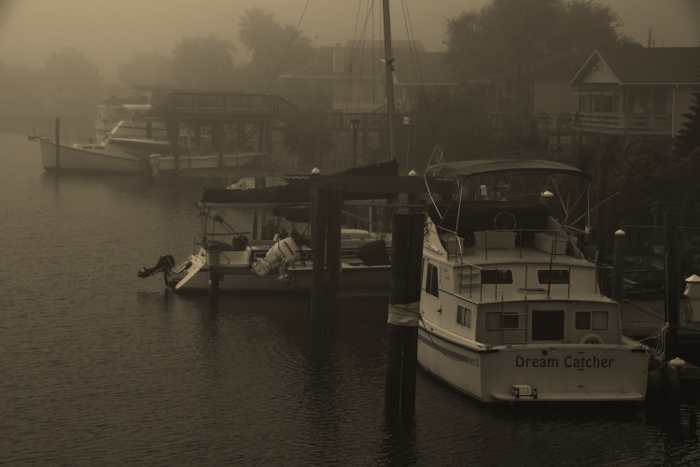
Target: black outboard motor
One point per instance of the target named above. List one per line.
(164, 265)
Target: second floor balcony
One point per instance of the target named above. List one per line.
(641, 124)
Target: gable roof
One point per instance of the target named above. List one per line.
(562, 64)
(663, 65)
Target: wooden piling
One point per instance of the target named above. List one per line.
(319, 222)
(214, 272)
(402, 327)
(58, 145)
(619, 266)
(672, 283)
(333, 251)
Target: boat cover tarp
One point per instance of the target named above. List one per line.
(463, 169)
(294, 193)
(298, 189)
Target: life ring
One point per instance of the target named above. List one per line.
(592, 339)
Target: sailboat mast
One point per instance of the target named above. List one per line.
(389, 75)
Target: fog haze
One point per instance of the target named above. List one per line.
(110, 33)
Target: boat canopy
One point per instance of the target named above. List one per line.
(464, 169)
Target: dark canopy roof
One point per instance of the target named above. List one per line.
(463, 169)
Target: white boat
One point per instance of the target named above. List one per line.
(116, 153)
(102, 157)
(280, 262)
(510, 308)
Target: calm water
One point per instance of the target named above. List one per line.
(99, 367)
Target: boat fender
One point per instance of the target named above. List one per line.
(592, 339)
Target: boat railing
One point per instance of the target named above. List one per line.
(525, 289)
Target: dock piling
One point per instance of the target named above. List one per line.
(619, 265)
(672, 283)
(404, 312)
(58, 145)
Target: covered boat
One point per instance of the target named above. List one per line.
(511, 310)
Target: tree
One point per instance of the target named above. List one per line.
(505, 35)
(308, 141)
(146, 68)
(688, 139)
(74, 82)
(275, 48)
(454, 120)
(72, 76)
(203, 62)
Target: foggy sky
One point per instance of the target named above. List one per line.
(111, 32)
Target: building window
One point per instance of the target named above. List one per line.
(431, 279)
(591, 320)
(496, 276)
(464, 316)
(555, 276)
(547, 325)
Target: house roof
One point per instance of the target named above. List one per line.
(563, 64)
(663, 65)
(410, 67)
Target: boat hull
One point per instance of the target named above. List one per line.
(242, 278)
(89, 160)
(557, 372)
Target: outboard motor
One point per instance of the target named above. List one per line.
(164, 265)
(283, 252)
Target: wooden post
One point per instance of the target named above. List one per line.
(602, 224)
(333, 252)
(619, 267)
(58, 145)
(222, 141)
(175, 144)
(402, 328)
(214, 272)
(319, 222)
(672, 282)
(365, 137)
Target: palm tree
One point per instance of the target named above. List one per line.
(205, 62)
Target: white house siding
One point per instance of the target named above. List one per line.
(599, 72)
(553, 97)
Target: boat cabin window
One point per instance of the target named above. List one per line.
(554, 276)
(591, 320)
(464, 316)
(547, 325)
(431, 279)
(499, 321)
(496, 276)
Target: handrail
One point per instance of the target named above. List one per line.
(525, 289)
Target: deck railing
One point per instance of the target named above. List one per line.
(624, 123)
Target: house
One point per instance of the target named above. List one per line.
(546, 100)
(350, 78)
(546, 88)
(635, 92)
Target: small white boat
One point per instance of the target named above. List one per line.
(510, 308)
(282, 262)
(116, 153)
(102, 157)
